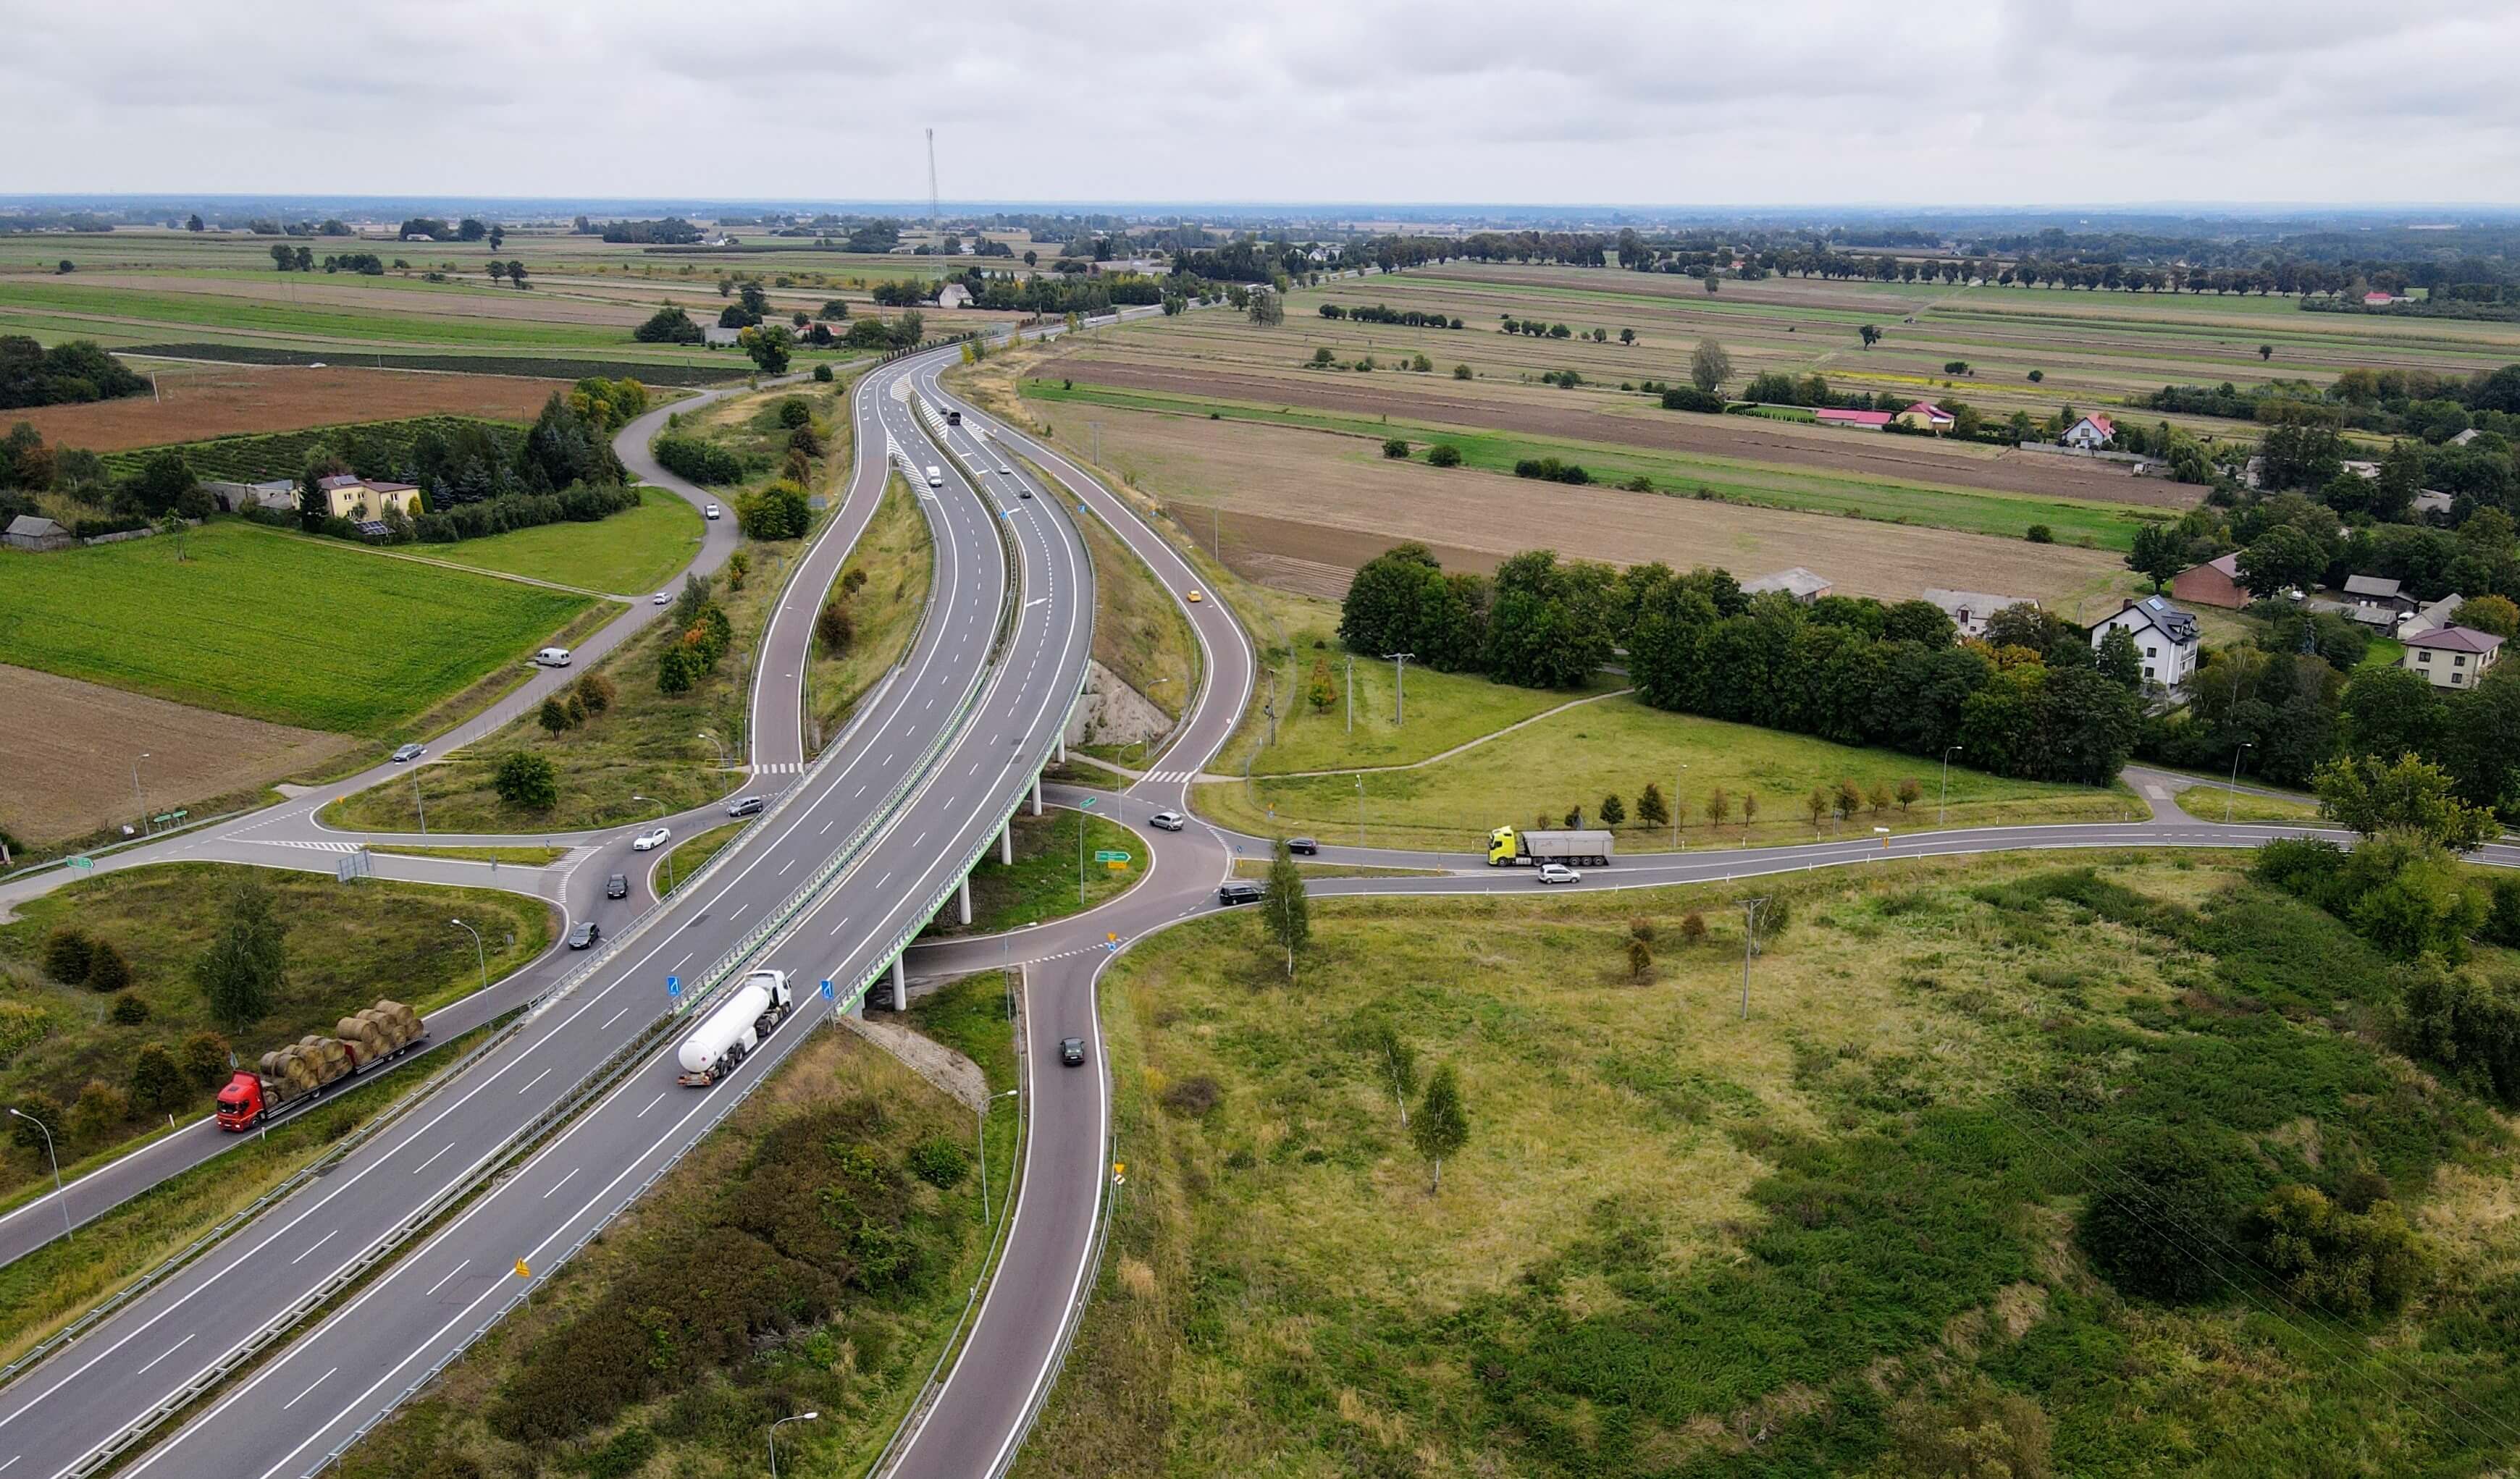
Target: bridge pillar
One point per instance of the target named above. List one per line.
(1063, 747)
(1007, 844)
(963, 897)
(1036, 793)
(900, 987)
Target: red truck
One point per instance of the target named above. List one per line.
(299, 1075)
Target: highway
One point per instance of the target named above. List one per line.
(357, 1362)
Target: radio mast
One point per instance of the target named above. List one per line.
(935, 215)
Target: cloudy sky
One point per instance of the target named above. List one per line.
(1650, 101)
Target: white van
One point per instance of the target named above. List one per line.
(552, 657)
(935, 478)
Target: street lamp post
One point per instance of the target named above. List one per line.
(56, 1168)
(417, 802)
(713, 740)
(773, 1437)
(1939, 806)
(2245, 744)
(985, 1148)
(137, 799)
(483, 956)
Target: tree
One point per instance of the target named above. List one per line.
(107, 969)
(1879, 797)
(1652, 809)
(833, 629)
(554, 716)
(497, 270)
(282, 257)
(100, 1107)
(2159, 553)
(515, 273)
(2265, 351)
(527, 780)
(1395, 447)
(1443, 454)
(1719, 806)
(2283, 559)
(1709, 367)
(1749, 811)
(768, 346)
(157, 1084)
(1319, 691)
(1400, 1060)
(1613, 810)
(1627, 335)
(1267, 310)
(247, 966)
(2409, 796)
(668, 325)
(1442, 1126)
(1285, 909)
(1871, 333)
(1910, 789)
(205, 1059)
(498, 236)
(1817, 803)
(194, 223)
(67, 953)
(2497, 615)
(2118, 659)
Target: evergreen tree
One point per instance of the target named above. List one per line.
(1651, 811)
(1442, 1126)
(157, 1084)
(2118, 660)
(1285, 909)
(247, 966)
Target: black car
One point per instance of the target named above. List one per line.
(1071, 1051)
(585, 935)
(1237, 892)
(1303, 845)
(617, 886)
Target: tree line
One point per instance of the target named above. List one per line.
(2032, 702)
(70, 373)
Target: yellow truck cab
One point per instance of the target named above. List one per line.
(1501, 847)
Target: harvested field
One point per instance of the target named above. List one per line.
(469, 299)
(1334, 501)
(200, 401)
(1473, 404)
(67, 747)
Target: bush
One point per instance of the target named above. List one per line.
(97, 1112)
(528, 780)
(2469, 1029)
(2159, 1202)
(777, 511)
(822, 374)
(833, 629)
(129, 1011)
(2345, 1263)
(66, 951)
(205, 1059)
(1551, 469)
(1195, 1096)
(107, 969)
(1395, 447)
(1443, 456)
(554, 716)
(2503, 917)
(702, 462)
(1692, 926)
(667, 326)
(595, 691)
(1690, 398)
(940, 1162)
(2042, 534)
(793, 412)
(157, 1084)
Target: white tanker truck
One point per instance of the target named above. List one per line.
(729, 1034)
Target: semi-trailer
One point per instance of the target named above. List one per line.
(729, 1035)
(1508, 848)
(301, 1073)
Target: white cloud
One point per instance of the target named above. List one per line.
(1982, 101)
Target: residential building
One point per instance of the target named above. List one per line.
(2092, 432)
(36, 532)
(2452, 656)
(952, 295)
(2464, 437)
(2383, 299)
(2433, 503)
(1802, 585)
(1925, 416)
(2166, 639)
(1867, 421)
(715, 338)
(359, 498)
(2214, 583)
(2368, 471)
(1969, 609)
(2431, 618)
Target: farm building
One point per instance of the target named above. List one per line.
(1925, 416)
(952, 295)
(33, 531)
(1969, 609)
(2452, 656)
(714, 337)
(2092, 432)
(2433, 500)
(2464, 437)
(2431, 618)
(2214, 583)
(2383, 299)
(2165, 639)
(2376, 601)
(1804, 586)
(1866, 421)
(279, 493)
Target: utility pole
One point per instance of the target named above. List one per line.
(137, 799)
(1351, 696)
(1749, 947)
(1399, 680)
(1360, 811)
(420, 804)
(1939, 806)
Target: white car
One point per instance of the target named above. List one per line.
(710, 512)
(664, 598)
(1559, 872)
(649, 841)
(552, 657)
(1168, 820)
(1003, 468)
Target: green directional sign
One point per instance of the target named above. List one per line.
(1111, 856)
(83, 865)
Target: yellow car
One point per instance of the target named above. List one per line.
(1196, 598)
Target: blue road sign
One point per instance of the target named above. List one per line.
(827, 990)
(674, 986)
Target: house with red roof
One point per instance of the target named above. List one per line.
(2383, 299)
(2214, 583)
(1867, 421)
(2091, 434)
(1925, 416)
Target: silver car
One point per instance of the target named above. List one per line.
(1559, 872)
(1168, 820)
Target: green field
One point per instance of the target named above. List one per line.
(270, 625)
(2096, 525)
(1834, 1237)
(633, 553)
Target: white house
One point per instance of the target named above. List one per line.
(1969, 609)
(2165, 639)
(715, 338)
(2452, 656)
(1804, 586)
(2431, 618)
(952, 295)
(2092, 432)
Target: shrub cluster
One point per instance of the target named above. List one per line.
(1551, 469)
(702, 460)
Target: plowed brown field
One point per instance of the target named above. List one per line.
(222, 400)
(67, 750)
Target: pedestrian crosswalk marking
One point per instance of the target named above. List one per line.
(782, 769)
(1169, 777)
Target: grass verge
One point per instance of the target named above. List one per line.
(685, 857)
(1043, 883)
(634, 550)
(522, 857)
(883, 589)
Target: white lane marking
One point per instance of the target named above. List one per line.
(685, 961)
(536, 1078)
(608, 1022)
(440, 1151)
(311, 1247)
(563, 1182)
(144, 1371)
(441, 1281)
(311, 1386)
(651, 1104)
